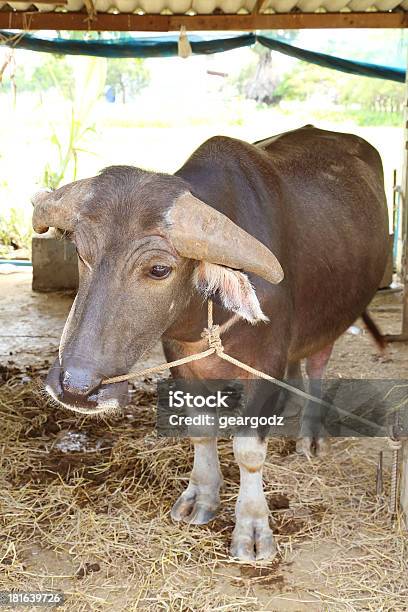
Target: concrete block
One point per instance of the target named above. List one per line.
(55, 264)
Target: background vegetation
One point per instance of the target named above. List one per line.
(66, 117)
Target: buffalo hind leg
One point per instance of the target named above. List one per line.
(294, 403)
(252, 538)
(199, 502)
(312, 438)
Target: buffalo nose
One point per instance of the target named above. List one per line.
(79, 388)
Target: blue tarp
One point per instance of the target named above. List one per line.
(336, 63)
(167, 46)
(160, 46)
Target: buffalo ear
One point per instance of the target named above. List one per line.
(232, 287)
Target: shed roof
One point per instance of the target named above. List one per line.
(167, 15)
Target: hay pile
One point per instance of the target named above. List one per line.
(85, 510)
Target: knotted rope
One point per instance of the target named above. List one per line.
(212, 334)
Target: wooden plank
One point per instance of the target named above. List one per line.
(25, 20)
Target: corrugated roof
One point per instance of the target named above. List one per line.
(208, 7)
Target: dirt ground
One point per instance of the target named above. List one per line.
(108, 542)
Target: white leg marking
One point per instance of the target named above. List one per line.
(252, 538)
(199, 502)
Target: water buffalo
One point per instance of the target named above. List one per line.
(290, 233)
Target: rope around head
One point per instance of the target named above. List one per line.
(211, 333)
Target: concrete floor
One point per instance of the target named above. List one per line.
(31, 324)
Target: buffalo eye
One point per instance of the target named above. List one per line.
(159, 271)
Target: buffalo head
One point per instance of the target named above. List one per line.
(145, 247)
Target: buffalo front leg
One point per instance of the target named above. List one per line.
(199, 502)
(252, 537)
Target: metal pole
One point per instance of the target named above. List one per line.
(404, 483)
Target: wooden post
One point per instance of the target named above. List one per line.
(404, 218)
(402, 251)
(404, 278)
(404, 225)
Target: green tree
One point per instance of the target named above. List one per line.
(129, 76)
(259, 79)
(373, 94)
(305, 80)
(54, 72)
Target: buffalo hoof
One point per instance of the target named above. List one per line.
(191, 509)
(253, 541)
(322, 447)
(313, 447)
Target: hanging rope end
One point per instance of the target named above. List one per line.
(184, 47)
